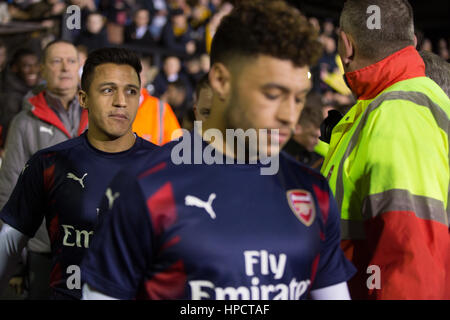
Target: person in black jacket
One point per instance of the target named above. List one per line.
(21, 76)
(94, 37)
(138, 32)
(176, 35)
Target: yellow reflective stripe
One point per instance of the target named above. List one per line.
(322, 148)
(418, 98)
(351, 230)
(161, 122)
(402, 200)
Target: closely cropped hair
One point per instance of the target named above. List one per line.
(108, 55)
(201, 84)
(21, 52)
(437, 69)
(312, 112)
(266, 27)
(51, 43)
(396, 27)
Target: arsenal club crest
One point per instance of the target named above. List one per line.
(302, 204)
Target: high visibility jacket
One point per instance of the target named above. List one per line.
(155, 120)
(388, 166)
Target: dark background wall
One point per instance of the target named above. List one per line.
(431, 16)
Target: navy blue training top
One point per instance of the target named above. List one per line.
(198, 231)
(64, 184)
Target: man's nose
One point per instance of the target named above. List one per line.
(119, 99)
(287, 111)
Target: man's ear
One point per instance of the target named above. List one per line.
(82, 98)
(220, 80)
(347, 51)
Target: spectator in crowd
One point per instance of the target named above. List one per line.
(307, 132)
(150, 71)
(437, 69)
(170, 72)
(201, 12)
(159, 12)
(37, 10)
(194, 70)
(176, 35)
(427, 45)
(155, 121)
(214, 22)
(205, 63)
(117, 13)
(201, 107)
(176, 96)
(203, 99)
(390, 179)
(328, 29)
(3, 63)
(86, 7)
(138, 32)
(443, 49)
(94, 37)
(82, 56)
(48, 117)
(21, 78)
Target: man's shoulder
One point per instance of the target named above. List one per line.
(60, 148)
(24, 118)
(150, 155)
(419, 90)
(289, 162)
(147, 145)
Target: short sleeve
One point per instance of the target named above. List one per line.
(118, 257)
(25, 209)
(333, 266)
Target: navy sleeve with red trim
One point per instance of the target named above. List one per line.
(333, 267)
(116, 261)
(25, 208)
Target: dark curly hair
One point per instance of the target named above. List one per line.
(264, 27)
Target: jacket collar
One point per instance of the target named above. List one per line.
(368, 82)
(41, 109)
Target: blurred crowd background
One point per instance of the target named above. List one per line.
(173, 38)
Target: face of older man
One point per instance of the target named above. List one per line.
(60, 68)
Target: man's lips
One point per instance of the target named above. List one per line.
(282, 135)
(119, 116)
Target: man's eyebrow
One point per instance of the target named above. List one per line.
(283, 88)
(113, 84)
(272, 85)
(107, 84)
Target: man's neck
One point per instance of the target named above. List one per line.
(223, 144)
(65, 96)
(103, 143)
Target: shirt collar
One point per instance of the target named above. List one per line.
(368, 82)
